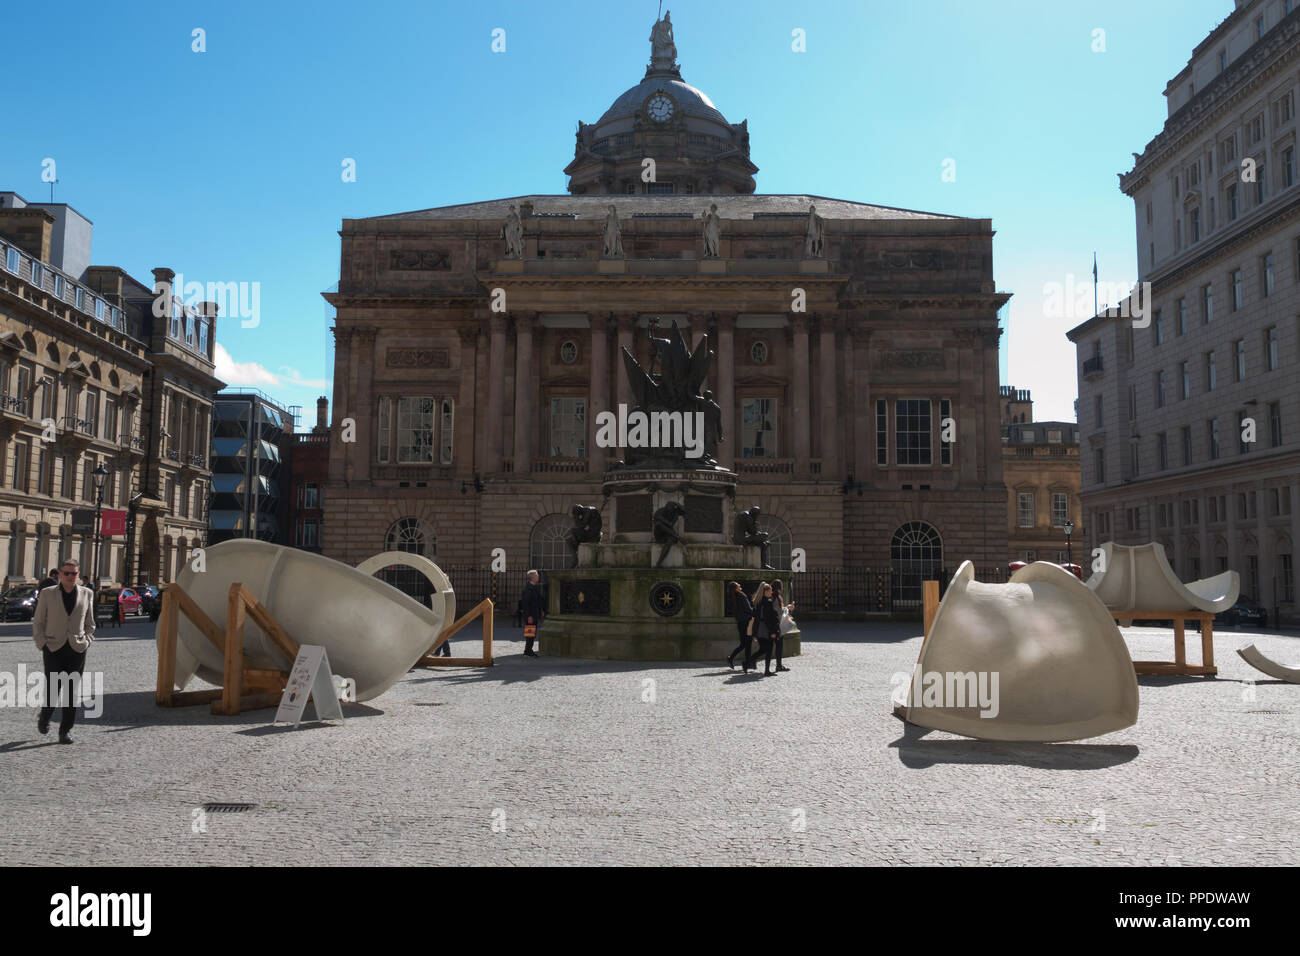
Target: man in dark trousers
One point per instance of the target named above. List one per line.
(534, 610)
(63, 628)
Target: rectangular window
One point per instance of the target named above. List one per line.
(912, 431)
(13, 261)
(1026, 508)
(176, 321)
(1259, 28)
(99, 309)
(758, 428)
(1158, 324)
(309, 494)
(1231, 196)
(1275, 423)
(203, 337)
(1182, 316)
(1187, 445)
(1207, 303)
(1099, 465)
(1160, 389)
(80, 298)
(1211, 379)
(1162, 450)
(1239, 358)
(1194, 226)
(69, 479)
(91, 426)
(1134, 455)
(1223, 60)
(1284, 500)
(1212, 429)
(445, 431)
(1266, 273)
(1060, 509)
(1271, 352)
(1288, 167)
(384, 431)
(22, 453)
(1185, 373)
(1097, 411)
(38, 274)
(945, 417)
(110, 420)
(568, 428)
(882, 432)
(45, 473)
(1259, 185)
(414, 431)
(1238, 289)
(1132, 403)
(189, 329)
(1287, 581)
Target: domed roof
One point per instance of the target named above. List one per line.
(691, 101)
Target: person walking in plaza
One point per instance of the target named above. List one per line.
(785, 623)
(51, 580)
(766, 624)
(63, 627)
(743, 611)
(534, 610)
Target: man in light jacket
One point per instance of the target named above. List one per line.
(63, 628)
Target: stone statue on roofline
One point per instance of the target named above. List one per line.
(613, 235)
(712, 232)
(513, 233)
(814, 242)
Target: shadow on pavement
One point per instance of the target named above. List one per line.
(918, 754)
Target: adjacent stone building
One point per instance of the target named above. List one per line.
(1190, 414)
(96, 370)
(1040, 465)
(476, 344)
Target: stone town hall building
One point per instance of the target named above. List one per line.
(474, 371)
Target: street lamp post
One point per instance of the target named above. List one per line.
(1069, 530)
(100, 475)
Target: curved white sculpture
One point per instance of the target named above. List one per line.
(371, 631)
(1139, 578)
(443, 598)
(1040, 655)
(1252, 656)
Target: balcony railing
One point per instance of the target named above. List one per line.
(12, 403)
(173, 454)
(196, 460)
(558, 465)
(765, 466)
(133, 441)
(1092, 366)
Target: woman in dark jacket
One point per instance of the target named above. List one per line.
(767, 624)
(744, 613)
(779, 600)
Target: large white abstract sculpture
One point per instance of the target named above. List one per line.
(372, 632)
(1139, 578)
(1036, 659)
(1252, 656)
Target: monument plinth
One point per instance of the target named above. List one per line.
(652, 568)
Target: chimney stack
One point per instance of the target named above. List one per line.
(322, 416)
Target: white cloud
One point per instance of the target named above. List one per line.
(256, 375)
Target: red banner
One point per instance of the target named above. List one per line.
(112, 522)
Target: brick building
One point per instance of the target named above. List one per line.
(463, 363)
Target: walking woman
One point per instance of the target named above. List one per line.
(766, 624)
(783, 615)
(744, 612)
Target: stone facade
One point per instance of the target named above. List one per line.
(91, 378)
(1164, 405)
(457, 363)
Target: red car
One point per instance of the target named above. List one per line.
(128, 599)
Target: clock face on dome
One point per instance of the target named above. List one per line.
(659, 108)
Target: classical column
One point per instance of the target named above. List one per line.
(1179, 560)
(1294, 489)
(992, 445)
(463, 429)
(481, 382)
(1202, 517)
(965, 403)
(496, 383)
(598, 394)
(1264, 548)
(524, 399)
(363, 401)
(626, 322)
(864, 422)
(725, 363)
(799, 382)
(829, 384)
(348, 410)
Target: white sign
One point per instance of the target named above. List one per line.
(309, 677)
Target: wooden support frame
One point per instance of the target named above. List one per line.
(483, 609)
(1178, 666)
(930, 604)
(266, 686)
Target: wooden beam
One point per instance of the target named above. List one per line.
(930, 599)
(483, 609)
(197, 617)
(167, 626)
(246, 702)
(231, 690)
(263, 619)
(188, 698)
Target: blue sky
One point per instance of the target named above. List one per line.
(225, 165)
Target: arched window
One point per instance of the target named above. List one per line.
(778, 542)
(546, 545)
(916, 555)
(412, 536)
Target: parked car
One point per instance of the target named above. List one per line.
(1245, 611)
(19, 603)
(127, 598)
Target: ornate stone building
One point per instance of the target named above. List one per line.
(1165, 407)
(1040, 465)
(91, 378)
(476, 344)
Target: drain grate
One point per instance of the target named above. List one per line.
(227, 807)
(1268, 711)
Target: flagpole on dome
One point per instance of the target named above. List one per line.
(1094, 283)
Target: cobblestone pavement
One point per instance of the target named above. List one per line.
(568, 762)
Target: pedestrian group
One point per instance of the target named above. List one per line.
(764, 618)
